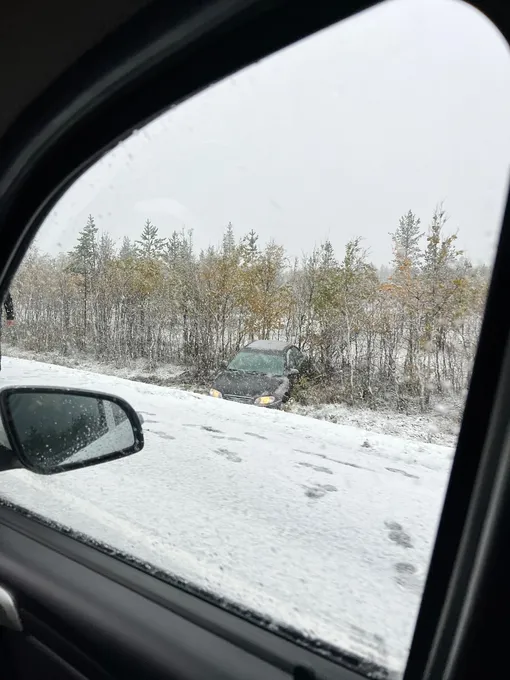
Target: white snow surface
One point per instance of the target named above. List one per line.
(276, 345)
(322, 527)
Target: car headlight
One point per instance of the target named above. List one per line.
(264, 401)
(215, 393)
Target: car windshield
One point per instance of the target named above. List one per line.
(258, 362)
(343, 198)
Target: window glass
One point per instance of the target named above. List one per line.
(294, 358)
(344, 196)
(258, 362)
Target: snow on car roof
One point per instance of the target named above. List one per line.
(270, 345)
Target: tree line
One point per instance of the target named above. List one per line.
(396, 336)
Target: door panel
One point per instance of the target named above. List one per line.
(30, 658)
(103, 618)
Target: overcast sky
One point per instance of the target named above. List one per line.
(394, 109)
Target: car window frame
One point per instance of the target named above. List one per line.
(288, 361)
(25, 166)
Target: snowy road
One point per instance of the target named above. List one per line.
(323, 527)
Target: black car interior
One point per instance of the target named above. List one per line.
(75, 79)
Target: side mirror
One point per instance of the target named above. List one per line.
(52, 429)
(293, 372)
(223, 363)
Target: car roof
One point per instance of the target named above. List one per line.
(43, 39)
(269, 345)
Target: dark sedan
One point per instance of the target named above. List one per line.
(262, 373)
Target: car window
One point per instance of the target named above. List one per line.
(258, 362)
(344, 196)
(295, 358)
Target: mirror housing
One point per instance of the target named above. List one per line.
(53, 429)
(223, 363)
(292, 371)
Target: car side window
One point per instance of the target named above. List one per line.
(327, 198)
(294, 358)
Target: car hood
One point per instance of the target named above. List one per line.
(250, 384)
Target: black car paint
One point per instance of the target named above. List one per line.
(253, 385)
(249, 385)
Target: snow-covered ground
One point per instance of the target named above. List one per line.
(440, 425)
(323, 527)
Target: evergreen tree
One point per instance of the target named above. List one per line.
(84, 260)
(406, 242)
(179, 247)
(440, 252)
(229, 241)
(84, 253)
(127, 249)
(249, 245)
(150, 246)
(105, 249)
(173, 247)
